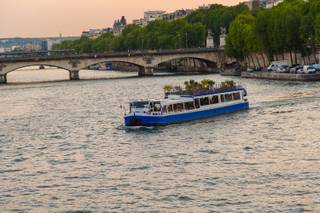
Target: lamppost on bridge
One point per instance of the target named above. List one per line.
(187, 40)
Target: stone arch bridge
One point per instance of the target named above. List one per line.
(147, 61)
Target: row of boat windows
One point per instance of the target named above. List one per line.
(205, 101)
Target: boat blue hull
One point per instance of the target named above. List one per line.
(137, 120)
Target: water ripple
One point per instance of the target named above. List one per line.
(63, 148)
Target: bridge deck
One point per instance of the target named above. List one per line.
(34, 57)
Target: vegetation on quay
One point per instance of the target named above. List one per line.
(193, 86)
(291, 27)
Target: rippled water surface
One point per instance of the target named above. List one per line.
(63, 148)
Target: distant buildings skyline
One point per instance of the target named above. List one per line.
(33, 44)
(267, 4)
(149, 16)
(152, 15)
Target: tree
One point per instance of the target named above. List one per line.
(217, 17)
(241, 39)
(317, 29)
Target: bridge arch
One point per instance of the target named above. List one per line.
(189, 63)
(12, 68)
(17, 67)
(205, 57)
(115, 61)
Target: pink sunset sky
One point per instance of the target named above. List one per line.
(40, 18)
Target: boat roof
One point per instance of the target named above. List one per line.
(170, 100)
(173, 98)
(200, 94)
(176, 99)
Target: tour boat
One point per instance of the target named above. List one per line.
(183, 106)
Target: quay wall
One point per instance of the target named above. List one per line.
(230, 72)
(263, 61)
(281, 76)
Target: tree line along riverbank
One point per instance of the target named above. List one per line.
(291, 29)
(189, 32)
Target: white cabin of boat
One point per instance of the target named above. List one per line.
(174, 104)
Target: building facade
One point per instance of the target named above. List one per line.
(94, 33)
(267, 4)
(272, 3)
(178, 14)
(140, 22)
(253, 4)
(150, 16)
(119, 26)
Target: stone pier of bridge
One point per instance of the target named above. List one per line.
(146, 71)
(74, 75)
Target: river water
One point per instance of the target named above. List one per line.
(63, 148)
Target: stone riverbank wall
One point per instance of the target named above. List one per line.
(262, 60)
(281, 76)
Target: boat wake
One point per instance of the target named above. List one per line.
(138, 128)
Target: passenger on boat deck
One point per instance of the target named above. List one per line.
(157, 107)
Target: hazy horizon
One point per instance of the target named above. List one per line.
(46, 18)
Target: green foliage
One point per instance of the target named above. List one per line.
(317, 29)
(168, 88)
(228, 84)
(189, 32)
(193, 86)
(292, 26)
(159, 34)
(241, 39)
(85, 45)
(217, 17)
(207, 83)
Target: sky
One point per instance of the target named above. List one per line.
(43, 18)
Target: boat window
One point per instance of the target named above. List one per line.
(222, 98)
(189, 105)
(164, 109)
(215, 99)
(155, 106)
(228, 97)
(170, 109)
(236, 96)
(178, 107)
(140, 104)
(204, 101)
(197, 103)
